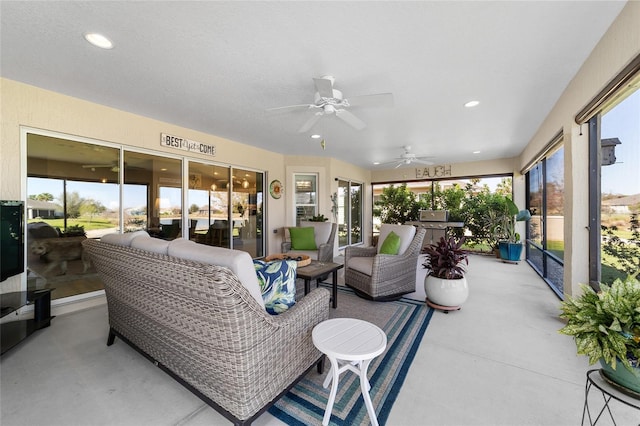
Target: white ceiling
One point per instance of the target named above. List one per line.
(216, 66)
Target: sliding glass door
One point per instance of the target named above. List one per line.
(347, 209)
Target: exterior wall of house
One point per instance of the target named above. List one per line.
(619, 45)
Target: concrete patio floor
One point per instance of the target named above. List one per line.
(498, 361)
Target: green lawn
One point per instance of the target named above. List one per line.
(95, 223)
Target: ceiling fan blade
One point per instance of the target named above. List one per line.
(310, 122)
(324, 86)
(378, 99)
(350, 119)
(287, 108)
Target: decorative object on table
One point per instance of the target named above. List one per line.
(301, 259)
(511, 247)
(275, 189)
(383, 277)
(446, 285)
(606, 328)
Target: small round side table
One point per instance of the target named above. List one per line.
(350, 344)
(596, 378)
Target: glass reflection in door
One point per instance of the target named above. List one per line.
(152, 195)
(247, 210)
(208, 201)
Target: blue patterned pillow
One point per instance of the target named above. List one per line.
(278, 284)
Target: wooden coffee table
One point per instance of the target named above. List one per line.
(316, 271)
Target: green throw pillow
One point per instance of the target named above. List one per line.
(391, 244)
(302, 238)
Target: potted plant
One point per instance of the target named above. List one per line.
(319, 218)
(445, 285)
(74, 231)
(511, 246)
(606, 328)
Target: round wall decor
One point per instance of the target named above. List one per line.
(275, 189)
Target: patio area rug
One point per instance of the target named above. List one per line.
(405, 322)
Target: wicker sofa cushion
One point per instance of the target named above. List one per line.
(155, 245)
(122, 239)
(405, 232)
(278, 284)
(239, 262)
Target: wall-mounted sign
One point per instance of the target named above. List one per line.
(433, 171)
(187, 145)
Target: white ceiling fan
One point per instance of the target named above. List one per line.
(330, 101)
(407, 157)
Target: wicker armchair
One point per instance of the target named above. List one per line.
(325, 236)
(383, 277)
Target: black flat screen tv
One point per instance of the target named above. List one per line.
(11, 238)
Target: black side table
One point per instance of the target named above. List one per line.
(12, 333)
(596, 378)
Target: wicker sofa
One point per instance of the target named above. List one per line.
(202, 323)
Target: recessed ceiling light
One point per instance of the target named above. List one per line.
(98, 40)
(315, 136)
(375, 163)
(476, 152)
(471, 104)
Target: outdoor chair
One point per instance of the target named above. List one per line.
(321, 245)
(376, 273)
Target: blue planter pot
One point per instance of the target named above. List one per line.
(510, 251)
(622, 376)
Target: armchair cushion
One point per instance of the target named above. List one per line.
(391, 244)
(302, 238)
(405, 232)
(277, 281)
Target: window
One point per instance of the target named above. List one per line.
(306, 197)
(617, 247)
(84, 188)
(545, 231)
(66, 202)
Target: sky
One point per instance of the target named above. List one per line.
(623, 122)
(107, 193)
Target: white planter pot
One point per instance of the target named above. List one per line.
(446, 292)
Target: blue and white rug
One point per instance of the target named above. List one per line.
(405, 322)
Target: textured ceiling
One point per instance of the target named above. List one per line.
(216, 66)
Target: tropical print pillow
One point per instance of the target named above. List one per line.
(278, 284)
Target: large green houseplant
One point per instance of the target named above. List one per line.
(511, 246)
(606, 325)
